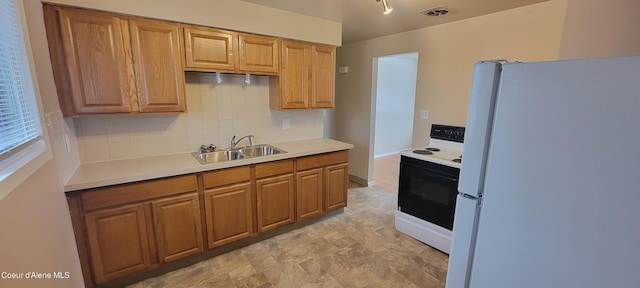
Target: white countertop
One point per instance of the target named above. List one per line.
(442, 157)
(98, 174)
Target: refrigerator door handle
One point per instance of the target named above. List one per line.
(474, 198)
(486, 79)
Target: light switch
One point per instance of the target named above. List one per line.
(424, 114)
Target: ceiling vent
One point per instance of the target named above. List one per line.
(441, 10)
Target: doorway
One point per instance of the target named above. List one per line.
(394, 94)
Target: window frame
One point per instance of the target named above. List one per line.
(20, 165)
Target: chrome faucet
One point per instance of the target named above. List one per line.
(234, 142)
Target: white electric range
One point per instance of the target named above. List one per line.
(428, 187)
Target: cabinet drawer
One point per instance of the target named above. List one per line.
(131, 193)
(226, 176)
(274, 168)
(321, 160)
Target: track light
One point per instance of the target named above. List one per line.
(385, 6)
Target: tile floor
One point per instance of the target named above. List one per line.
(357, 248)
(386, 172)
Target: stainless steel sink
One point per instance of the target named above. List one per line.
(260, 150)
(236, 153)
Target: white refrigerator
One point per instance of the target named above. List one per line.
(550, 179)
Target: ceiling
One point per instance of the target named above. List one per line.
(363, 19)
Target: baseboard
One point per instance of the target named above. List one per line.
(388, 153)
(360, 181)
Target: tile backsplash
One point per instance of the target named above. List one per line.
(63, 142)
(216, 112)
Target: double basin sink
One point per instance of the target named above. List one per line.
(236, 153)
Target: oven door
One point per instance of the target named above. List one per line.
(428, 191)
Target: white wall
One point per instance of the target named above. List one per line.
(216, 112)
(595, 28)
(228, 14)
(36, 229)
(447, 54)
(36, 232)
(394, 102)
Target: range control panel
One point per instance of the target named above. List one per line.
(448, 133)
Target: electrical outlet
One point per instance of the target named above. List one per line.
(285, 124)
(424, 114)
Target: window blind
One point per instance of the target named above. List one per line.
(19, 120)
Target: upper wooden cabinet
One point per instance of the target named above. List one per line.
(258, 54)
(213, 50)
(323, 63)
(307, 77)
(104, 63)
(157, 58)
(293, 88)
(209, 49)
(93, 52)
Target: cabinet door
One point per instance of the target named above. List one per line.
(95, 58)
(323, 75)
(275, 202)
(118, 241)
(309, 193)
(337, 181)
(295, 75)
(229, 214)
(210, 49)
(258, 54)
(178, 227)
(157, 58)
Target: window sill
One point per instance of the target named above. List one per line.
(17, 168)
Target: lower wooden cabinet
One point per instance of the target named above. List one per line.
(126, 229)
(135, 227)
(118, 241)
(178, 227)
(229, 214)
(274, 194)
(228, 205)
(322, 182)
(275, 202)
(309, 187)
(337, 183)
